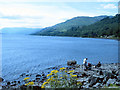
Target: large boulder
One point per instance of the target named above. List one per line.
(71, 63)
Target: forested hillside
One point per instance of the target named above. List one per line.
(109, 27)
(65, 26)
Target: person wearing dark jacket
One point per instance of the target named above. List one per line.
(98, 65)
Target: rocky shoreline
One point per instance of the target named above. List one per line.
(106, 76)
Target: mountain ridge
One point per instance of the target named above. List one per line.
(76, 21)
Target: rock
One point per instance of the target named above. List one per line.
(13, 84)
(36, 87)
(118, 78)
(1, 79)
(84, 75)
(105, 80)
(101, 73)
(42, 81)
(37, 79)
(75, 72)
(100, 79)
(33, 80)
(22, 74)
(80, 80)
(38, 75)
(109, 74)
(27, 75)
(54, 68)
(19, 82)
(8, 83)
(92, 81)
(14, 81)
(86, 86)
(117, 83)
(112, 77)
(71, 62)
(77, 66)
(97, 85)
(113, 72)
(44, 77)
(43, 74)
(111, 81)
(117, 73)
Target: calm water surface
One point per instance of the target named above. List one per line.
(27, 53)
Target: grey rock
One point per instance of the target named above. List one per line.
(93, 81)
(38, 75)
(71, 62)
(37, 79)
(80, 80)
(86, 86)
(105, 80)
(97, 85)
(8, 83)
(111, 81)
(23, 74)
(101, 73)
(117, 83)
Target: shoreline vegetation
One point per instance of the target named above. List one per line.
(112, 38)
(72, 75)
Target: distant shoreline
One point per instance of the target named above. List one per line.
(118, 39)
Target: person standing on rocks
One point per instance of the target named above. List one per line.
(85, 63)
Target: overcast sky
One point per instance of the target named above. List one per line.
(44, 13)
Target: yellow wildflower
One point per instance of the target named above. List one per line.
(73, 75)
(49, 74)
(49, 79)
(54, 71)
(42, 86)
(31, 83)
(79, 83)
(45, 83)
(71, 71)
(63, 68)
(61, 77)
(58, 81)
(52, 79)
(26, 78)
(26, 84)
(65, 71)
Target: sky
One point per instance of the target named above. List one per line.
(45, 13)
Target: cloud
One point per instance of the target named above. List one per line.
(18, 1)
(108, 0)
(108, 6)
(29, 13)
(33, 15)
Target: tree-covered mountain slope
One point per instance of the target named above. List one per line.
(65, 26)
(108, 27)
